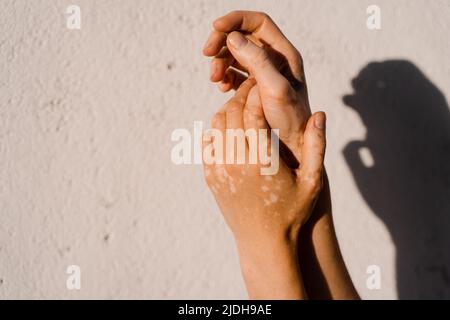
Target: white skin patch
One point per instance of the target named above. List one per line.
(268, 178)
(232, 186)
(207, 172)
(224, 177)
(222, 174)
(265, 188)
(273, 198)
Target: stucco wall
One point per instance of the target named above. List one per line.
(85, 123)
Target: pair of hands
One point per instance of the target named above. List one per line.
(265, 213)
(271, 94)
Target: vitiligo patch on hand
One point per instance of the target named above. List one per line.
(232, 186)
(222, 174)
(273, 198)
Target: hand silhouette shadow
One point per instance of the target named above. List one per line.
(407, 185)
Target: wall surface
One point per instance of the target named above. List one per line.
(85, 123)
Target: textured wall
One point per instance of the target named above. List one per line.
(85, 123)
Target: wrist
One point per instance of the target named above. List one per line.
(268, 237)
(266, 253)
(271, 269)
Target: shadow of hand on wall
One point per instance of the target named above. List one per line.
(406, 178)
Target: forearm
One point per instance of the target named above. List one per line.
(321, 262)
(270, 269)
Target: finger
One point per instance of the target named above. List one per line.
(220, 64)
(236, 144)
(207, 152)
(232, 80)
(235, 106)
(253, 111)
(257, 61)
(313, 153)
(278, 97)
(219, 123)
(264, 29)
(216, 41)
(255, 124)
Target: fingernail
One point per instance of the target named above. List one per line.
(319, 120)
(237, 40)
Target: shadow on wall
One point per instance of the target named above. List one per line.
(407, 185)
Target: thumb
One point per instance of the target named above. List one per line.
(278, 98)
(257, 62)
(309, 174)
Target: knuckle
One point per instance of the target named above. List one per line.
(318, 146)
(233, 106)
(261, 58)
(263, 15)
(232, 169)
(298, 59)
(299, 63)
(312, 183)
(217, 120)
(281, 92)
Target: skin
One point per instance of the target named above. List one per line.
(265, 213)
(247, 45)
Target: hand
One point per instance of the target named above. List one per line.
(265, 213)
(250, 42)
(280, 96)
(257, 206)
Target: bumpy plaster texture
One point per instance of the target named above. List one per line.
(85, 123)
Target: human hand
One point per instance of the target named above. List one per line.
(258, 207)
(250, 42)
(265, 213)
(281, 97)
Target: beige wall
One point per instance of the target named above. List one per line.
(85, 123)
